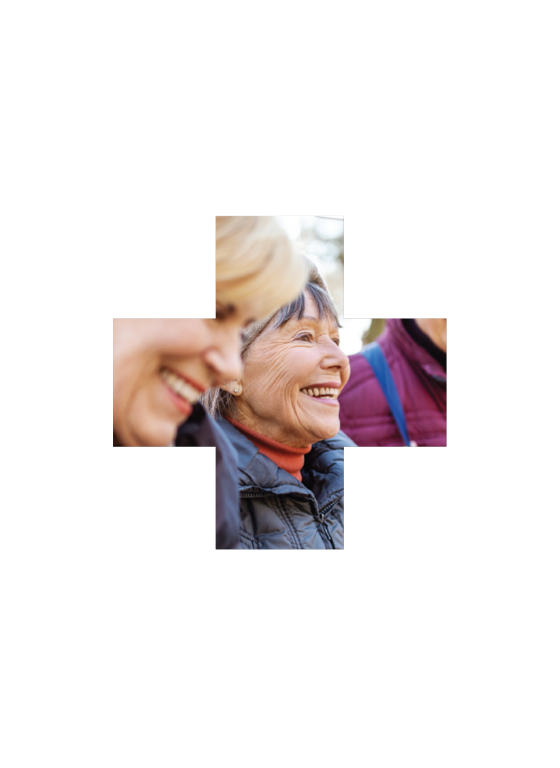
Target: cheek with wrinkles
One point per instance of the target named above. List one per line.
(274, 374)
(269, 375)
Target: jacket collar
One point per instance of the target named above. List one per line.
(256, 469)
(323, 471)
(413, 351)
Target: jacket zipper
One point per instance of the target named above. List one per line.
(322, 521)
(326, 530)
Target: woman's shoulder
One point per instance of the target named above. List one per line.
(323, 471)
(251, 466)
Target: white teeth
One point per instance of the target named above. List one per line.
(321, 392)
(180, 387)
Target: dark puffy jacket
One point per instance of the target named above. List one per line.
(422, 385)
(279, 512)
(201, 430)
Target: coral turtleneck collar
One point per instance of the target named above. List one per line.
(289, 459)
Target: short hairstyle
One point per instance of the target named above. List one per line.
(256, 263)
(219, 402)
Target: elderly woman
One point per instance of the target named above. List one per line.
(281, 414)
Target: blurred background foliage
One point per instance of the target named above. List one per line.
(374, 330)
(322, 239)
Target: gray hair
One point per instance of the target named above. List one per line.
(217, 401)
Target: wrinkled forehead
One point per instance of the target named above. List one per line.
(304, 309)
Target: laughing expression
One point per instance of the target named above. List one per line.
(292, 378)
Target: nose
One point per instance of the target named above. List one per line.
(335, 357)
(224, 357)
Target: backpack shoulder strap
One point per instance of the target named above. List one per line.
(375, 357)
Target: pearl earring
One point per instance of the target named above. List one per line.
(236, 390)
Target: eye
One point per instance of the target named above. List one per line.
(224, 312)
(305, 337)
(336, 340)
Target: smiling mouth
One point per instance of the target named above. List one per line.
(325, 396)
(322, 393)
(179, 386)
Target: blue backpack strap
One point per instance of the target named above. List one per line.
(375, 357)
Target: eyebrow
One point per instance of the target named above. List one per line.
(315, 320)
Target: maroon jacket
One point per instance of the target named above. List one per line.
(422, 385)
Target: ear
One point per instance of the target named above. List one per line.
(233, 387)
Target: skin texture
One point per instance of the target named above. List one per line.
(206, 351)
(436, 330)
(280, 363)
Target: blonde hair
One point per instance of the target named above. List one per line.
(220, 402)
(256, 263)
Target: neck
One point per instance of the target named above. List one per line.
(285, 457)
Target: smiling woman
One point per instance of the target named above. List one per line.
(288, 370)
(282, 415)
(161, 367)
(223, 401)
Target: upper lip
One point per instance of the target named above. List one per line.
(188, 379)
(329, 385)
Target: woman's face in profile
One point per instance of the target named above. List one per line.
(161, 367)
(292, 379)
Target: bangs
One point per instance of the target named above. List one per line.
(296, 309)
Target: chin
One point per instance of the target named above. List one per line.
(156, 434)
(149, 423)
(324, 433)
